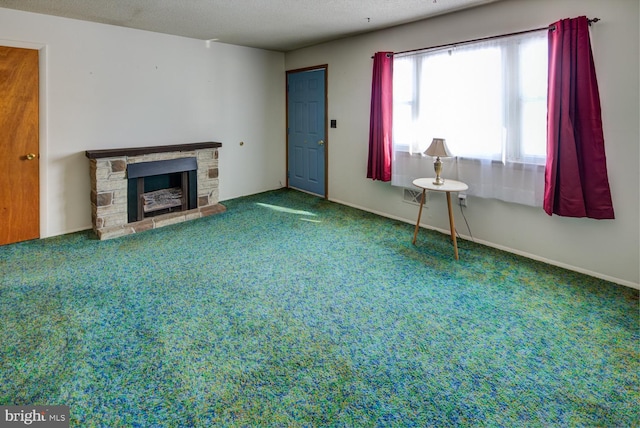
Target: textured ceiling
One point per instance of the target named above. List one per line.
(280, 25)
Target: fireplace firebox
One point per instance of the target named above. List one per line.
(160, 187)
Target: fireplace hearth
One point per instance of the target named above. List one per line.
(137, 189)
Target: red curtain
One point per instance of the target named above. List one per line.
(380, 125)
(576, 182)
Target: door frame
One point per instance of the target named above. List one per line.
(43, 121)
(324, 67)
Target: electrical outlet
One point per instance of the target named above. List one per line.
(462, 199)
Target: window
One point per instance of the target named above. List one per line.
(487, 99)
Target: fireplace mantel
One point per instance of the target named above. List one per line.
(109, 186)
(137, 151)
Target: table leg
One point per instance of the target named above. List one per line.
(415, 233)
(452, 226)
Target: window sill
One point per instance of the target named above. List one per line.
(476, 161)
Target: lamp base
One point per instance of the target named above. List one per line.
(437, 167)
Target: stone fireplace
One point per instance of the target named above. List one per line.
(137, 189)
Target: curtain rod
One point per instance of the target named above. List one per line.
(550, 27)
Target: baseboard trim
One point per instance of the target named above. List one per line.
(502, 248)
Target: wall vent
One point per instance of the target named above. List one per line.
(412, 196)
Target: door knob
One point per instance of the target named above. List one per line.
(321, 142)
(31, 156)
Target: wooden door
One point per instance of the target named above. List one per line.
(19, 145)
(306, 127)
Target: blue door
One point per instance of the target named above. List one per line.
(306, 130)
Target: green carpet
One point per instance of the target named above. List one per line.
(288, 310)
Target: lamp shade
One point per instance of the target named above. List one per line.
(438, 148)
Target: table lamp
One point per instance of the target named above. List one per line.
(439, 149)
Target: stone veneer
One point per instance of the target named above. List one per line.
(109, 186)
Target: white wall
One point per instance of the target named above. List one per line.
(108, 87)
(608, 248)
